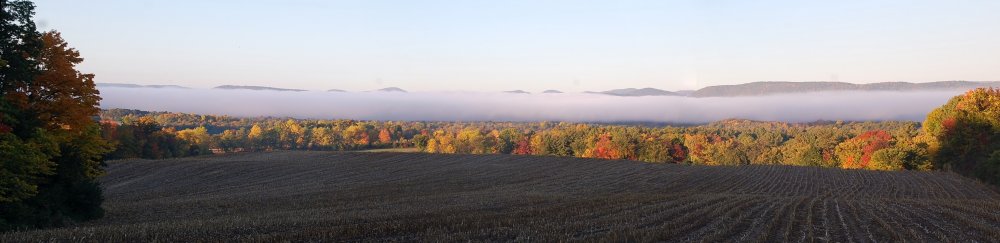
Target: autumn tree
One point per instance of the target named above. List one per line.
(507, 140)
(445, 142)
(523, 145)
(491, 141)
(198, 138)
(812, 147)
(433, 146)
(52, 149)
(255, 136)
(421, 141)
(359, 135)
(604, 148)
(290, 134)
(662, 148)
(469, 141)
(323, 138)
(551, 142)
(912, 150)
(762, 147)
(966, 134)
(232, 139)
(299, 134)
(142, 138)
(384, 136)
(627, 140)
(857, 152)
(713, 149)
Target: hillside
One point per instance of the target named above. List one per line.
(769, 88)
(330, 196)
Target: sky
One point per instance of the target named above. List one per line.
(531, 45)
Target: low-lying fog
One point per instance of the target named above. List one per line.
(481, 106)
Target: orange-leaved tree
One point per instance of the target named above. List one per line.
(857, 152)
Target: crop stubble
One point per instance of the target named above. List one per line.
(343, 196)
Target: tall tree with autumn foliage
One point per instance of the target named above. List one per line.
(966, 134)
(51, 146)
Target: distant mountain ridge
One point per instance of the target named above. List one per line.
(391, 89)
(124, 85)
(517, 92)
(782, 87)
(747, 89)
(685, 92)
(636, 92)
(251, 87)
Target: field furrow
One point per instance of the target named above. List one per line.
(344, 196)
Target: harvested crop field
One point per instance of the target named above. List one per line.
(341, 196)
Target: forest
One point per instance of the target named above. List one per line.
(890, 145)
(884, 145)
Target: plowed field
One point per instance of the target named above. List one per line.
(332, 196)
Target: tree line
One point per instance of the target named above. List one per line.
(864, 145)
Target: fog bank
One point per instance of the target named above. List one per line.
(481, 106)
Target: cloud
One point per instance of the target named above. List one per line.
(479, 106)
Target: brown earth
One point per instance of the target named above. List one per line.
(343, 196)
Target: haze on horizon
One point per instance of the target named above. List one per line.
(498, 106)
(570, 46)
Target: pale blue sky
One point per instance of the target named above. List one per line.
(532, 45)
